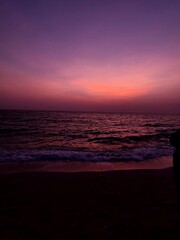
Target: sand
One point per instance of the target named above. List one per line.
(129, 204)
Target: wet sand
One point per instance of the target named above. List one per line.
(70, 166)
(129, 204)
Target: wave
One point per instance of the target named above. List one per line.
(129, 139)
(9, 132)
(126, 154)
(158, 125)
(13, 130)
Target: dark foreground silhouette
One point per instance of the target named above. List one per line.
(175, 141)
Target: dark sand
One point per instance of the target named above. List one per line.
(129, 204)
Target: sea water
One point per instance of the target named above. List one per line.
(86, 137)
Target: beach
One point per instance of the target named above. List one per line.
(121, 204)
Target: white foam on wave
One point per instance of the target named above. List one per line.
(135, 154)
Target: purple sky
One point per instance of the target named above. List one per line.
(90, 55)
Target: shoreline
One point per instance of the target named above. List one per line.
(79, 166)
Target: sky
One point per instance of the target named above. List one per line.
(90, 55)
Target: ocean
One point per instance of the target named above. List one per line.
(86, 137)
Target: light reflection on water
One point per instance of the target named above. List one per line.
(87, 136)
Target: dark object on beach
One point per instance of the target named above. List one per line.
(175, 141)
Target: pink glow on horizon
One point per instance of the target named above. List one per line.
(89, 84)
(113, 56)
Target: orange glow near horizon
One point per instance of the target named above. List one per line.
(86, 82)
